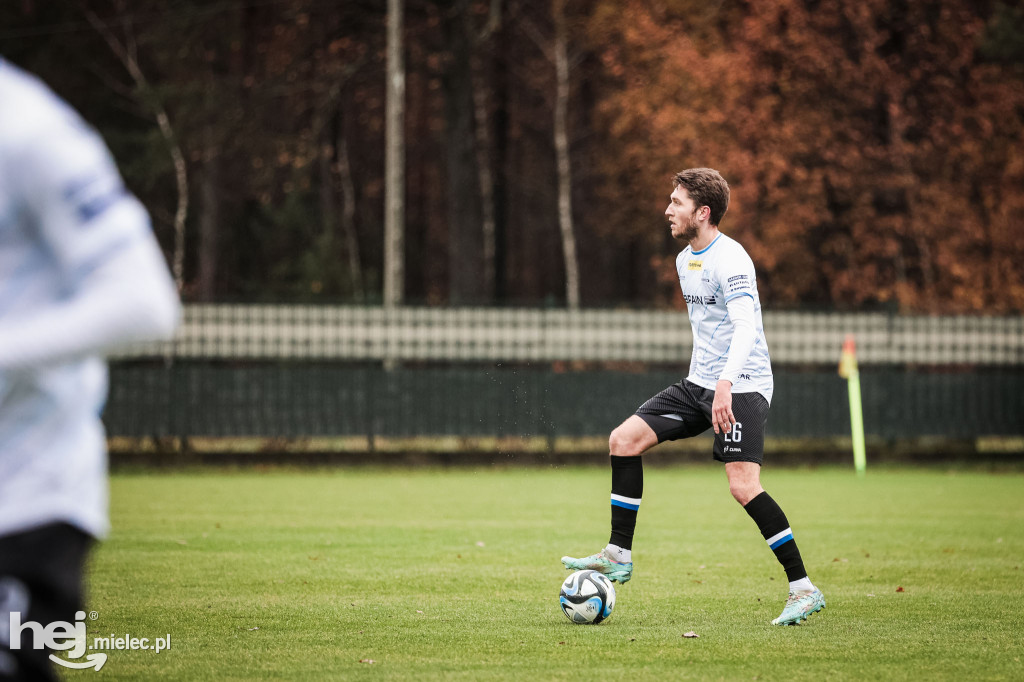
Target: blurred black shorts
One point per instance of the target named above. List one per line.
(41, 573)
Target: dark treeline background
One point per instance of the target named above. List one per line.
(875, 148)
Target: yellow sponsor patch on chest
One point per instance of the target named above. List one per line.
(695, 265)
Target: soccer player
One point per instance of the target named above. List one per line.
(729, 389)
(81, 275)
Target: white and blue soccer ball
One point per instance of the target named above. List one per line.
(587, 597)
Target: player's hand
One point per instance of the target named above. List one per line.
(722, 417)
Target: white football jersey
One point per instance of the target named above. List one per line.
(65, 216)
(710, 278)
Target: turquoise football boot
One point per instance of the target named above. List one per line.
(799, 606)
(602, 563)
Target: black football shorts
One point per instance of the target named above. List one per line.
(683, 410)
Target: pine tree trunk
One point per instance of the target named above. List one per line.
(465, 239)
(394, 162)
(572, 276)
(348, 219)
(209, 223)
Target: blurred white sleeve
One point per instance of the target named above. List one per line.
(122, 301)
(114, 282)
(744, 335)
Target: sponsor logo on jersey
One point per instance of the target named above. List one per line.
(695, 265)
(736, 277)
(699, 300)
(738, 285)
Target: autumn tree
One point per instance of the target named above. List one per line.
(873, 148)
(869, 146)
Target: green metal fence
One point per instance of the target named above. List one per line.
(284, 374)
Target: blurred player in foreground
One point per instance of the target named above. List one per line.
(80, 276)
(729, 389)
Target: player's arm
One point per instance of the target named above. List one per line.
(738, 287)
(118, 289)
(744, 336)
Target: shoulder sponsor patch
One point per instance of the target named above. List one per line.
(737, 283)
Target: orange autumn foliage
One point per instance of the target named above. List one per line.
(876, 157)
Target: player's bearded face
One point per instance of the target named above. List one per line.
(689, 228)
(683, 223)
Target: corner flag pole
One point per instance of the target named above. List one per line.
(848, 370)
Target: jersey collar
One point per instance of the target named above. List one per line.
(697, 253)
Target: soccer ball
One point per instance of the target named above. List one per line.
(587, 597)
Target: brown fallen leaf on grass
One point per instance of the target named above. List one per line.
(367, 660)
(899, 589)
(691, 634)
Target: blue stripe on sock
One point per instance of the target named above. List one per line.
(627, 505)
(782, 541)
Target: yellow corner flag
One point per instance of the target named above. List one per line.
(848, 370)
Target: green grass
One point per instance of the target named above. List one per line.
(454, 574)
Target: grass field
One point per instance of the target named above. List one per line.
(454, 574)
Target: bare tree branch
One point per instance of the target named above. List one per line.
(115, 85)
(537, 36)
(127, 53)
(492, 26)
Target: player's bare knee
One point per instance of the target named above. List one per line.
(622, 444)
(616, 443)
(743, 491)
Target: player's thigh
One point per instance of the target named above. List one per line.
(744, 442)
(632, 437)
(676, 413)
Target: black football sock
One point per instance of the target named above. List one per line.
(776, 531)
(627, 489)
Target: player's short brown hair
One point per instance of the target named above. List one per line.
(706, 187)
